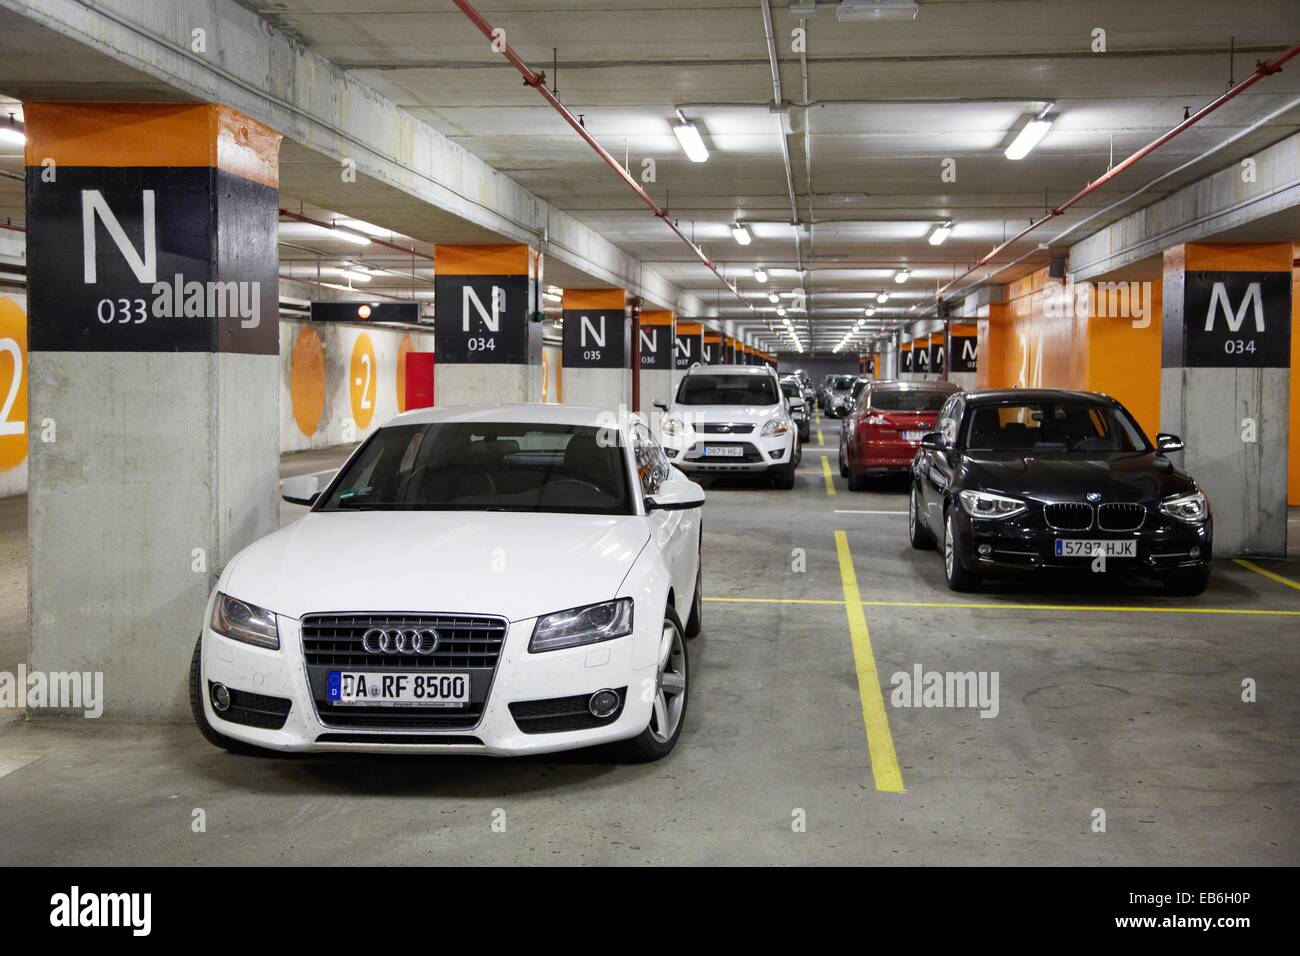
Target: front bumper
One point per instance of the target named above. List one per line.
(1026, 543)
(282, 675)
(759, 454)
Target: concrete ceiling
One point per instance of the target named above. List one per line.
(888, 102)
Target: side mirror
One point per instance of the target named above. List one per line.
(661, 405)
(301, 489)
(1167, 442)
(676, 494)
(932, 441)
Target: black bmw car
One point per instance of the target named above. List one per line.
(1026, 479)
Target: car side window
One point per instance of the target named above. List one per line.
(651, 463)
(949, 418)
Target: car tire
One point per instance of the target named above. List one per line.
(917, 532)
(857, 480)
(783, 477)
(211, 734)
(695, 622)
(958, 578)
(805, 432)
(844, 468)
(1188, 583)
(650, 744)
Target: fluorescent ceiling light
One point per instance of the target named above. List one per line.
(939, 233)
(742, 234)
(1029, 136)
(851, 11)
(688, 137)
(780, 310)
(354, 275)
(12, 134)
(869, 310)
(773, 298)
(760, 274)
(882, 298)
(901, 276)
(338, 232)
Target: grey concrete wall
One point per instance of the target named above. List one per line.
(609, 388)
(134, 431)
(657, 385)
(338, 422)
(1246, 481)
(487, 384)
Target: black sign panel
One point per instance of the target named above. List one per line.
(710, 353)
(905, 360)
(964, 353)
(365, 312)
(152, 259)
(1236, 320)
(656, 347)
(937, 357)
(869, 365)
(482, 320)
(595, 338)
(920, 358)
(686, 350)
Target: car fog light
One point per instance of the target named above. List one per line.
(986, 549)
(603, 703)
(1195, 552)
(671, 452)
(220, 698)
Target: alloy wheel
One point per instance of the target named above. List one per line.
(670, 693)
(949, 553)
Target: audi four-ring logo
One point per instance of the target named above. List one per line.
(400, 640)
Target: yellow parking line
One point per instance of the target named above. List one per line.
(1008, 606)
(821, 439)
(826, 473)
(884, 761)
(1271, 575)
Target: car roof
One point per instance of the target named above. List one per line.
(521, 413)
(996, 396)
(894, 384)
(750, 370)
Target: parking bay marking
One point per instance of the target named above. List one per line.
(993, 606)
(1271, 575)
(842, 511)
(826, 473)
(880, 743)
(821, 440)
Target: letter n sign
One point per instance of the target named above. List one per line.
(964, 352)
(482, 319)
(595, 338)
(1232, 320)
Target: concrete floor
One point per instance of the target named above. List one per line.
(1138, 714)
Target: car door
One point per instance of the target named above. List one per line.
(676, 532)
(936, 466)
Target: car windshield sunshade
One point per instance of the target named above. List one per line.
(477, 466)
(727, 390)
(1075, 427)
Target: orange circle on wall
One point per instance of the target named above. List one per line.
(362, 384)
(13, 384)
(307, 381)
(406, 345)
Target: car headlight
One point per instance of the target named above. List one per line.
(777, 426)
(985, 504)
(1193, 508)
(673, 426)
(582, 625)
(241, 621)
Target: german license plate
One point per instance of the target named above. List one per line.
(723, 451)
(1091, 547)
(914, 436)
(398, 690)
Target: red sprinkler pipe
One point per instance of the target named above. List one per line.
(538, 82)
(1261, 71)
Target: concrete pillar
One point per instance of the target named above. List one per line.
(154, 390)
(711, 348)
(688, 347)
(487, 328)
(1225, 384)
(597, 348)
(963, 355)
(656, 345)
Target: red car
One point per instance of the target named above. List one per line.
(881, 433)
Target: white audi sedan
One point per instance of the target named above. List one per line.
(503, 580)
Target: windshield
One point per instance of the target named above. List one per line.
(1080, 427)
(727, 390)
(478, 466)
(858, 386)
(907, 400)
(842, 383)
(792, 389)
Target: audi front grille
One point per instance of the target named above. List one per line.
(466, 644)
(1121, 516)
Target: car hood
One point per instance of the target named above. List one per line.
(727, 413)
(511, 564)
(1058, 476)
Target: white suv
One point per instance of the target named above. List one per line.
(732, 419)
